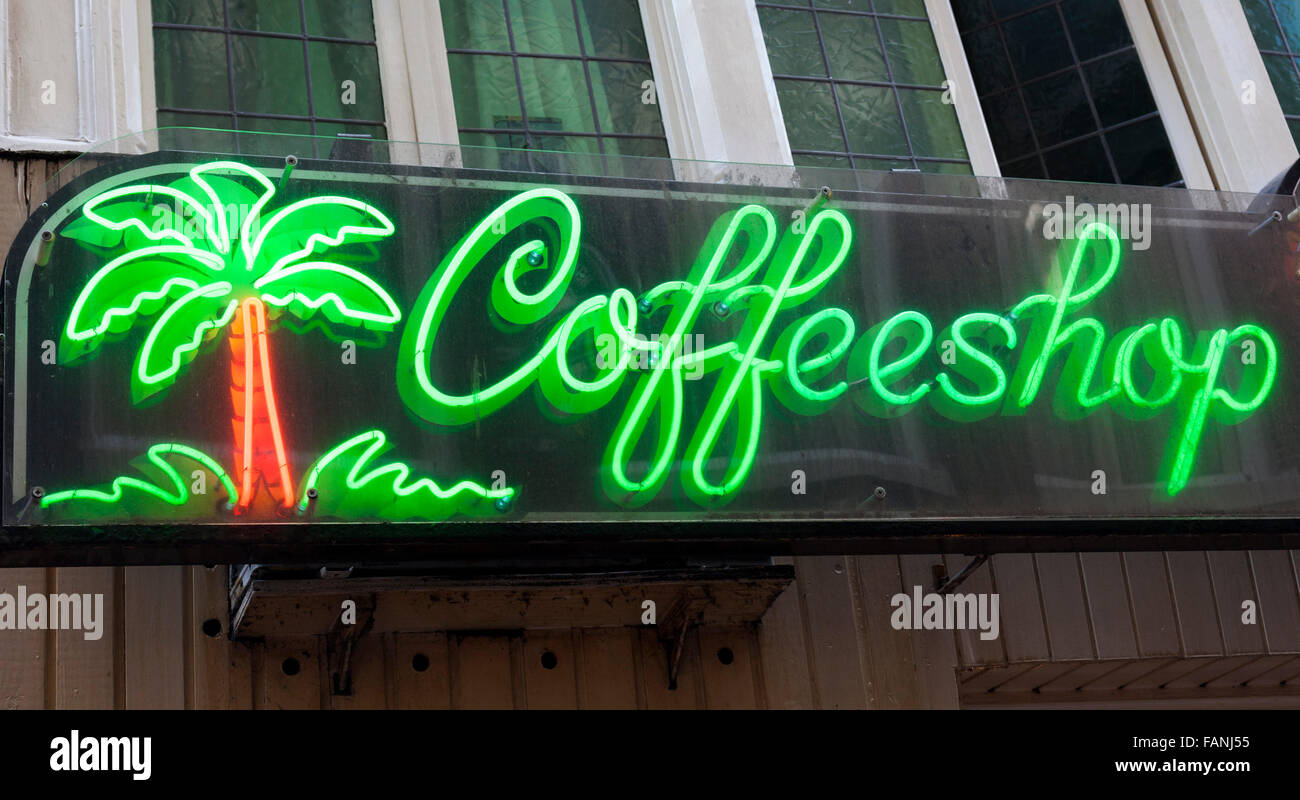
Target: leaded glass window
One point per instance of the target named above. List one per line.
(861, 85)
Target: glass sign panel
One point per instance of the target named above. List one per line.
(220, 341)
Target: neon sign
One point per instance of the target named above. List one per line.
(791, 333)
(798, 265)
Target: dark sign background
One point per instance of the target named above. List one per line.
(1005, 482)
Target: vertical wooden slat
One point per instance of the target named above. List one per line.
(834, 632)
(1068, 628)
(369, 674)
(1108, 603)
(84, 667)
(608, 676)
(788, 683)
(892, 663)
(1153, 605)
(154, 655)
(550, 670)
(727, 685)
(934, 652)
(972, 649)
(654, 674)
(274, 687)
(482, 673)
(1198, 619)
(1023, 631)
(1279, 600)
(1233, 585)
(211, 670)
(22, 657)
(427, 688)
(241, 676)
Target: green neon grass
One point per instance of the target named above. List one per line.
(177, 497)
(391, 481)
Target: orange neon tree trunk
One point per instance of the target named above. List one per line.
(260, 459)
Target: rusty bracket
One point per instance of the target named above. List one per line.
(687, 609)
(943, 584)
(340, 641)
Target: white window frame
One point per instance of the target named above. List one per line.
(1213, 56)
(108, 57)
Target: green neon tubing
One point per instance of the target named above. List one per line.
(394, 478)
(155, 455)
(342, 311)
(1052, 338)
(794, 391)
(106, 314)
(663, 385)
(976, 366)
(740, 384)
(414, 382)
(917, 334)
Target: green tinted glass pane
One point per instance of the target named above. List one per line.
(836, 162)
(853, 47)
(1288, 13)
(189, 12)
(1119, 88)
(810, 119)
(270, 75)
(544, 26)
(220, 121)
(206, 141)
(377, 132)
(1096, 27)
(1262, 24)
(612, 28)
(1082, 161)
(329, 143)
(190, 69)
(931, 124)
(645, 148)
(276, 144)
(478, 151)
(871, 118)
(483, 88)
(259, 15)
(1142, 154)
(913, 55)
(344, 19)
(945, 168)
(883, 164)
(1282, 74)
(345, 81)
(910, 8)
(621, 94)
(556, 89)
(792, 46)
(847, 5)
(300, 127)
(474, 25)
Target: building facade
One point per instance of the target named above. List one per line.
(1200, 96)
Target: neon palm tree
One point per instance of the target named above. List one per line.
(206, 260)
